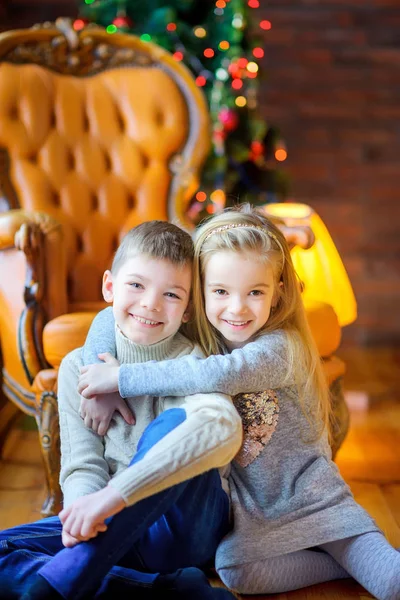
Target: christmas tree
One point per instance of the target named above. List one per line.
(221, 42)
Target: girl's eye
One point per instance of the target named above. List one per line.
(256, 293)
(220, 292)
(136, 286)
(172, 295)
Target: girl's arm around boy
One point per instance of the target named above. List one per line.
(209, 438)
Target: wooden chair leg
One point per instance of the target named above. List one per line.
(49, 436)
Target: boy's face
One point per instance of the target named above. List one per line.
(150, 297)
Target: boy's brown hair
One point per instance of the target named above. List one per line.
(157, 239)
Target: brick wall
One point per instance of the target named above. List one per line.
(332, 84)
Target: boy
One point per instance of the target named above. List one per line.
(168, 506)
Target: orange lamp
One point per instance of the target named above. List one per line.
(320, 267)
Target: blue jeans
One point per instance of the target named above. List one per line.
(179, 527)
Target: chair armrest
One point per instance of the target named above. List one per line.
(300, 235)
(32, 289)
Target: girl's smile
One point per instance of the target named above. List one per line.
(237, 324)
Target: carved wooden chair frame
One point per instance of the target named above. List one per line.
(58, 47)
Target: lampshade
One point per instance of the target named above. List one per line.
(320, 267)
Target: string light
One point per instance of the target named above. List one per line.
(265, 25)
(122, 22)
(237, 84)
(201, 196)
(201, 81)
(209, 52)
(89, 1)
(240, 101)
(253, 3)
(224, 45)
(200, 32)
(235, 71)
(218, 196)
(111, 28)
(145, 37)
(171, 27)
(237, 21)
(177, 56)
(79, 24)
(220, 4)
(219, 12)
(221, 74)
(280, 154)
(252, 67)
(242, 63)
(258, 52)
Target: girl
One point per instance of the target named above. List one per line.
(295, 521)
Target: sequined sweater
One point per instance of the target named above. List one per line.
(286, 492)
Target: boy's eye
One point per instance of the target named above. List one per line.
(137, 286)
(220, 292)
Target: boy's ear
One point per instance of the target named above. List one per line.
(188, 314)
(108, 287)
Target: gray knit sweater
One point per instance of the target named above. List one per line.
(286, 492)
(208, 438)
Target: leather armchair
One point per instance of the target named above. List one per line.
(97, 134)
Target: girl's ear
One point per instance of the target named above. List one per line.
(188, 314)
(108, 287)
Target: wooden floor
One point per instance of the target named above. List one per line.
(369, 460)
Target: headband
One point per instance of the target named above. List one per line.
(247, 226)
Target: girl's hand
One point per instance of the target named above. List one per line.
(85, 517)
(97, 412)
(100, 378)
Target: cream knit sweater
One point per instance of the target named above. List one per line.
(209, 438)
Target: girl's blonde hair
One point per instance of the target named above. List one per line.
(246, 229)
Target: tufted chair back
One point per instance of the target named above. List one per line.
(100, 145)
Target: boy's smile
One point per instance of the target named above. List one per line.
(149, 296)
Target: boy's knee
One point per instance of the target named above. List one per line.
(166, 422)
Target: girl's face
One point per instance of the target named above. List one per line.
(239, 291)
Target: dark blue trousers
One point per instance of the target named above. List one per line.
(179, 527)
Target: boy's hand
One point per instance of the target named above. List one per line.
(85, 517)
(69, 541)
(97, 412)
(99, 378)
